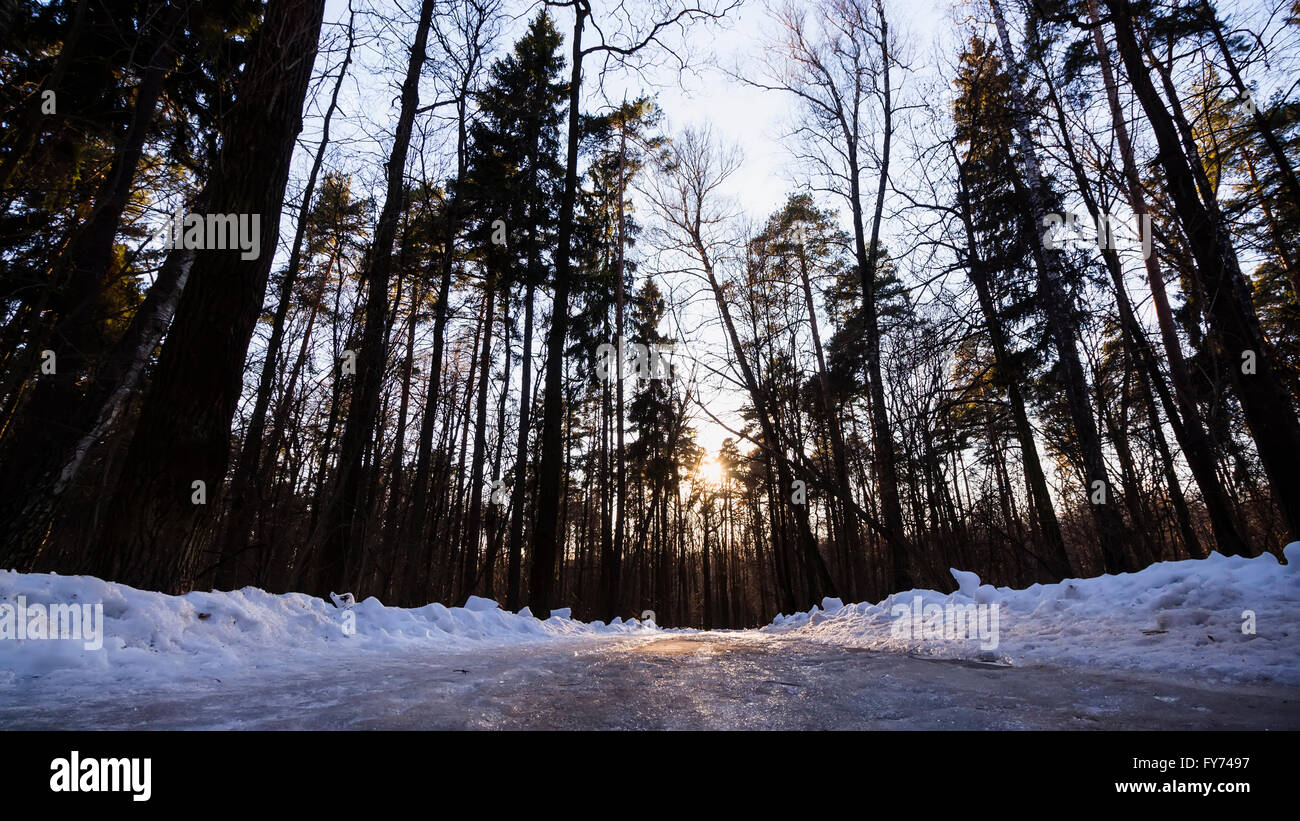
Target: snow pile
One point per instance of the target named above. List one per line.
(148, 635)
(1189, 616)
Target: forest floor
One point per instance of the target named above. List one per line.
(705, 680)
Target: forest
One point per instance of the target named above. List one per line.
(451, 298)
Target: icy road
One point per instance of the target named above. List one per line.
(718, 680)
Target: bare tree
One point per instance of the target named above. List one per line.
(838, 63)
(686, 195)
(464, 43)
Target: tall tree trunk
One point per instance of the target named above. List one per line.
(518, 494)
(469, 564)
(868, 255)
(819, 581)
(421, 481)
(848, 532)
(1269, 415)
(1111, 530)
(44, 440)
(495, 533)
(1134, 342)
(1190, 430)
(1008, 376)
(156, 531)
(234, 538)
(611, 565)
(345, 520)
(548, 534)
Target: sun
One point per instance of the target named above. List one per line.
(709, 471)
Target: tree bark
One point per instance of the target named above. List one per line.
(156, 531)
(1269, 415)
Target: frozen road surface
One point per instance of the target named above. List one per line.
(680, 681)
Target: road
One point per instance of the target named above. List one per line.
(718, 680)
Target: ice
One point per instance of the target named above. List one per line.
(657, 680)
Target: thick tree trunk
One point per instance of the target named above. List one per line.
(234, 537)
(156, 531)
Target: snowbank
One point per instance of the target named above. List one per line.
(154, 636)
(1187, 616)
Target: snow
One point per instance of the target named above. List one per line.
(967, 582)
(1190, 617)
(1185, 618)
(478, 604)
(154, 637)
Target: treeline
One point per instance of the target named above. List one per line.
(484, 362)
